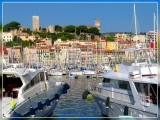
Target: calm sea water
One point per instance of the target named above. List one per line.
(72, 104)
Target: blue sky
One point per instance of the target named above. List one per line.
(114, 17)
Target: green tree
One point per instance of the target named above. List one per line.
(69, 35)
(82, 37)
(26, 43)
(53, 37)
(70, 28)
(81, 29)
(0, 27)
(58, 28)
(17, 39)
(28, 31)
(93, 30)
(10, 43)
(44, 30)
(64, 38)
(11, 26)
(110, 38)
(60, 35)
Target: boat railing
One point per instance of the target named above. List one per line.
(125, 97)
(146, 100)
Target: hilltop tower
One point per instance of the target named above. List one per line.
(35, 23)
(97, 23)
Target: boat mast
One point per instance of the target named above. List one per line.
(135, 19)
(12, 51)
(100, 53)
(96, 52)
(154, 34)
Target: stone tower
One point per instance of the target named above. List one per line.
(97, 23)
(35, 23)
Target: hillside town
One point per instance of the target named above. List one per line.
(77, 51)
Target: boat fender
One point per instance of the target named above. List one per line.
(32, 111)
(15, 114)
(84, 95)
(126, 110)
(66, 86)
(64, 91)
(48, 102)
(40, 105)
(108, 102)
(89, 97)
(56, 96)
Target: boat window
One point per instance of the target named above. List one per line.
(36, 79)
(142, 88)
(46, 76)
(147, 92)
(124, 85)
(33, 82)
(106, 80)
(153, 93)
(11, 84)
(42, 76)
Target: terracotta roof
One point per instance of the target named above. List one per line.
(51, 47)
(103, 51)
(31, 47)
(42, 47)
(123, 42)
(17, 47)
(64, 45)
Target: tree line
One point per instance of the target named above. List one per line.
(61, 32)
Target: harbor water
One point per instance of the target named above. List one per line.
(72, 104)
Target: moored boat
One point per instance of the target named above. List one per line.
(29, 93)
(128, 90)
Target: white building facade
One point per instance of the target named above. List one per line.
(7, 36)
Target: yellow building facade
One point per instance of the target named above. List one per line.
(112, 46)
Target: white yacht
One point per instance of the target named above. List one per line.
(128, 90)
(29, 93)
(55, 72)
(76, 72)
(89, 72)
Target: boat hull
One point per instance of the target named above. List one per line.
(117, 110)
(40, 105)
(56, 73)
(88, 72)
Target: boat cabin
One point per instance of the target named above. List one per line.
(25, 82)
(147, 92)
